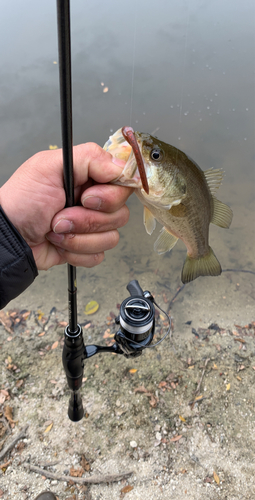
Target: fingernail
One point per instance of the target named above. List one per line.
(118, 161)
(55, 238)
(92, 202)
(63, 226)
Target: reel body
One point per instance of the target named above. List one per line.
(136, 320)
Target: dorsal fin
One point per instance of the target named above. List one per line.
(214, 178)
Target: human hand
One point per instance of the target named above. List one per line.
(34, 200)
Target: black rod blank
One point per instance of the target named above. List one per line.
(64, 49)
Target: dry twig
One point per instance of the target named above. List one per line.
(80, 480)
(11, 445)
(202, 376)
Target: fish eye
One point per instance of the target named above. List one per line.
(156, 154)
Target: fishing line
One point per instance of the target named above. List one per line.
(133, 69)
(183, 74)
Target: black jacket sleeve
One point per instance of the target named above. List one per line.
(17, 265)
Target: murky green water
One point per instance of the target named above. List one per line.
(184, 69)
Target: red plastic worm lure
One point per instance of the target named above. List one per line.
(129, 135)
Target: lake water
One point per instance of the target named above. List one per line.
(185, 69)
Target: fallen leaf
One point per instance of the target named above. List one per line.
(182, 418)
(19, 383)
(76, 472)
(4, 392)
(228, 387)
(199, 397)
(162, 384)
(48, 428)
(85, 464)
(62, 323)
(238, 378)
(20, 446)
(153, 401)
(126, 489)
(54, 345)
(191, 367)
(141, 388)
(133, 370)
(105, 90)
(91, 307)
(5, 465)
(41, 334)
(216, 477)
(40, 314)
(8, 414)
(51, 146)
(107, 333)
(176, 438)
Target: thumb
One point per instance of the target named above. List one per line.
(91, 161)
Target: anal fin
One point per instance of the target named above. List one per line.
(165, 241)
(222, 214)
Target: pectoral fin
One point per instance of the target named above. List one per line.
(178, 210)
(149, 220)
(222, 214)
(165, 241)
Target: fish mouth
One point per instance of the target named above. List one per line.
(129, 134)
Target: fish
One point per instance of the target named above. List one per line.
(178, 194)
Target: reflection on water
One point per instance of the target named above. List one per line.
(185, 69)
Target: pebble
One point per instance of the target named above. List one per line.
(133, 444)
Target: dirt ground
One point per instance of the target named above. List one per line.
(179, 420)
(175, 423)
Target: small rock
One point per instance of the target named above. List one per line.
(158, 436)
(118, 402)
(133, 444)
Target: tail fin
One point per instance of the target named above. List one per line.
(203, 266)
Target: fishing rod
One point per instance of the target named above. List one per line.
(136, 321)
(73, 332)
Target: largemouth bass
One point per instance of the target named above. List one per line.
(178, 194)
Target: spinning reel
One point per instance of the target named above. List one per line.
(136, 323)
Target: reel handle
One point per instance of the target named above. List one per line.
(134, 289)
